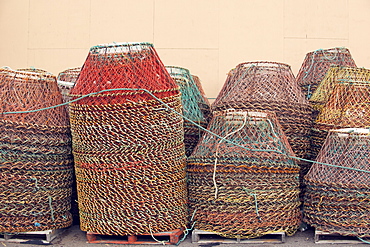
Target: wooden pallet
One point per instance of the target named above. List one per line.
(199, 236)
(37, 237)
(170, 237)
(331, 238)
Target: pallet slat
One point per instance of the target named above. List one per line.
(169, 237)
(333, 238)
(201, 237)
(38, 236)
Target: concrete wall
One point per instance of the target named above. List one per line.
(208, 37)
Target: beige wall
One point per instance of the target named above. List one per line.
(208, 37)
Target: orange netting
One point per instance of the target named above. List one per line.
(317, 63)
(36, 163)
(347, 105)
(128, 146)
(337, 199)
(335, 75)
(241, 181)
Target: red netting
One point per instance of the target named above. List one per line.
(36, 164)
(128, 147)
(246, 188)
(347, 105)
(317, 63)
(134, 66)
(338, 199)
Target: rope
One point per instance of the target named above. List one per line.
(363, 240)
(180, 114)
(161, 242)
(216, 159)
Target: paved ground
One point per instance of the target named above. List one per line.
(74, 237)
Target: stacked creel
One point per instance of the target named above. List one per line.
(128, 143)
(205, 105)
(35, 70)
(270, 86)
(242, 181)
(350, 74)
(66, 80)
(343, 102)
(317, 63)
(192, 103)
(36, 163)
(337, 199)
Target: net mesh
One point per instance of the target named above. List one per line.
(205, 105)
(347, 104)
(237, 192)
(338, 199)
(335, 75)
(128, 146)
(194, 107)
(317, 63)
(270, 86)
(66, 80)
(36, 163)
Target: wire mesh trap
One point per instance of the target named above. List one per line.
(66, 80)
(128, 143)
(343, 102)
(335, 75)
(270, 86)
(317, 63)
(204, 104)
(241, 180)
(194, 106)
(337, 199)
(36, 163)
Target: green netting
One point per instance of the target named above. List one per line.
(193, 106)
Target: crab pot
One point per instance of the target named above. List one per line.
(337, 199)
(347, 105)
(270, 86)
(205, 106)
(128, 143)
(36, 163)
(317, 63)
(66, 80)
(193, 106)
(335, 75)
(242, 181)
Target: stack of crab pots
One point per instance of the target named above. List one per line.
(128, 143)
(241, 178)
(338, 185)
(271, 86)
(341, 101)
(192, 101)
(36, 163)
